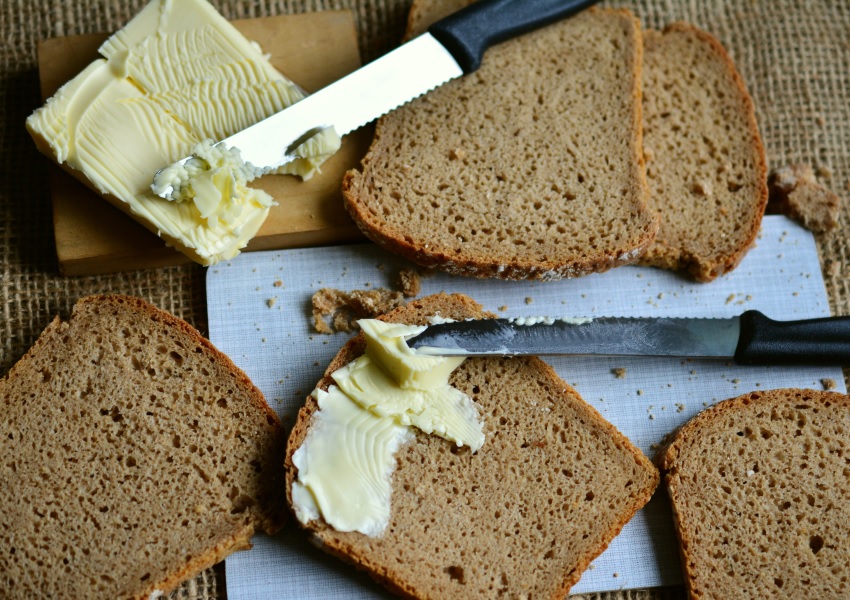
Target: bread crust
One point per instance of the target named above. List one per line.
(678, 252)
(674, 457)
(348, 546)
(224, 535)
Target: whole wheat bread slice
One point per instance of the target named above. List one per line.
(530, 167)
(705, 162)
(760, 486)
(553, 483)
(135, 455)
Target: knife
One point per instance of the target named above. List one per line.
(450, 48)
(749, 339)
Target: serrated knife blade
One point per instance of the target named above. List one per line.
(750, 338)
(451, 47)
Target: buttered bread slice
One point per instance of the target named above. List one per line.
(705, 162)
(520, 512)
(530, 167)
(135, 455)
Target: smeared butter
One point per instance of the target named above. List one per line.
(386, 344)
(178, 74)
(344, 465)
(346, 461)
(444, 411)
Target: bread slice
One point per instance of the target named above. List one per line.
(760, 486)
(530, 167)
(705, 162)
(522, 517)
(135, 455)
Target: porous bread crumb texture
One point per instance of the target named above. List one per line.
(705, 163)
(338, 310)
(522, 517)
(760, 486)
(795, 192)
(135, 455)
(530, 167)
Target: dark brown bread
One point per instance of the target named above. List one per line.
(522, 517)
(135, 455)
(705, 162)
(760, 486)
(530, 167)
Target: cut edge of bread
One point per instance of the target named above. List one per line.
(262, 518)
(669, 455)
(647, 222)
(665, 255)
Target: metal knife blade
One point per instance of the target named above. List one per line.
(451, 47)
(751, 338)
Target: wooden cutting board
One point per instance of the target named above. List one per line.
(312, 49)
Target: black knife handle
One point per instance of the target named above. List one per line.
(467, 33)
(764, 341)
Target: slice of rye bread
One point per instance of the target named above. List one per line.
(135, 455)
(530, 167)
(760, 486)
(706, 167)
(525, 515)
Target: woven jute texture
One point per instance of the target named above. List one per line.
(793, 54)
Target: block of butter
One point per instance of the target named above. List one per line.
(177, 75)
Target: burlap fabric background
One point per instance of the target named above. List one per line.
(793, 54)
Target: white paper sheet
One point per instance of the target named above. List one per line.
(259, 314)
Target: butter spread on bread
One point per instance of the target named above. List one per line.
(346, 462)
(523, 516)
(177, 74)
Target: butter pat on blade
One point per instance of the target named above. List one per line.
(176, 77)
(348, 454)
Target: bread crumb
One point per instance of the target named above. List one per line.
(277, 283)
(271, 302)
(338, 310)
(409, 282)
(529, 299)
(619, 372)
(503, 308)
(640, 392)
(680, 407)
(828, 384)
(795, 192)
